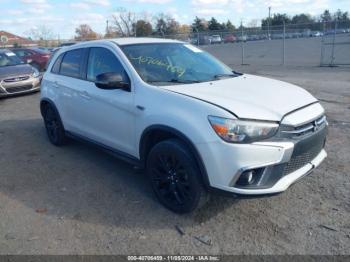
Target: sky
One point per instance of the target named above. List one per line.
(62, 17)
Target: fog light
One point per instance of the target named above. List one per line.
(246, 178)
(249, 177)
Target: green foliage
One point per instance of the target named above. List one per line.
(166, 25)
(199, 25)
(276, 20)
(229, 26)
(143, 28)
(214, 25)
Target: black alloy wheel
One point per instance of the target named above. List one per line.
(175, 176)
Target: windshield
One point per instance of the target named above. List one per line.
(176, 63)
(9, 59)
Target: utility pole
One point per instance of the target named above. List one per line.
(268, 24)
(197, 35)
(242, 42)
(333, 43)
(107, 28)
(284, 43)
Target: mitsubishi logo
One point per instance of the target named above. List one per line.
(316, 126)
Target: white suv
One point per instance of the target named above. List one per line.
(189, 120)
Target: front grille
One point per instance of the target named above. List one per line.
(304, 129)
(16, 79)
(306, 150)
(16, 89)
(301, 160)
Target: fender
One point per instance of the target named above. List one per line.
(52, 104)
(184, 138)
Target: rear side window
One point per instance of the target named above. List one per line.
(71, 63)
(57, 65)
(20, 53)
(101, 60)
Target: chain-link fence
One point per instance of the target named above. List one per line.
(325, 44)
(317, 44)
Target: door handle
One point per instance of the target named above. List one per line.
(85, 95)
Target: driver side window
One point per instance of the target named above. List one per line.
(101, 60)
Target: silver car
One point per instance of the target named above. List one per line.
(16, 77)
(215, 39)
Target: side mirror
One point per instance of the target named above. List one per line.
(111, 81)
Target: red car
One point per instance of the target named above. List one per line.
(36, 57)
(230, 38)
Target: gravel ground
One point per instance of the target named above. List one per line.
(79, 200)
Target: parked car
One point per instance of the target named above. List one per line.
(67, 44)
(306, 33)
(341, 31)
(253, 38)
(185, 117)
(16, 77)
(229, 38)
(242, 38)
(46, 49)
(277, 36)
(35, 56)
(316, 33)
(204, 40)
(215, 39)
(289, 35)
(332, 31)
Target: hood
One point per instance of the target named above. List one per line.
(249, 96)
(13, 71)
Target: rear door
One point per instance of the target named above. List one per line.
(69, 81)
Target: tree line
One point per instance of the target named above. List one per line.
(125, 23)
(326, 20)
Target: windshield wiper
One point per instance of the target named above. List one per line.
(178, 81)
(183, 81)
(234, 74)
(225, 75)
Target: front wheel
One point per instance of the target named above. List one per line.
(175, 177)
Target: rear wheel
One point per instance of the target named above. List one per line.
(54, 127)
(175, 177)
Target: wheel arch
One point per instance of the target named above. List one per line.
(46, 101)
(157, 133)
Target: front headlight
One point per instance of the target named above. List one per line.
(242, 131)
(36, 73)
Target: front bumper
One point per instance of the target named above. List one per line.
(287, 180)
(281, 161)
(21, 87)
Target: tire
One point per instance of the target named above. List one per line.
(54, 128)
(175, 177)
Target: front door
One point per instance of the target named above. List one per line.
(106, 116)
